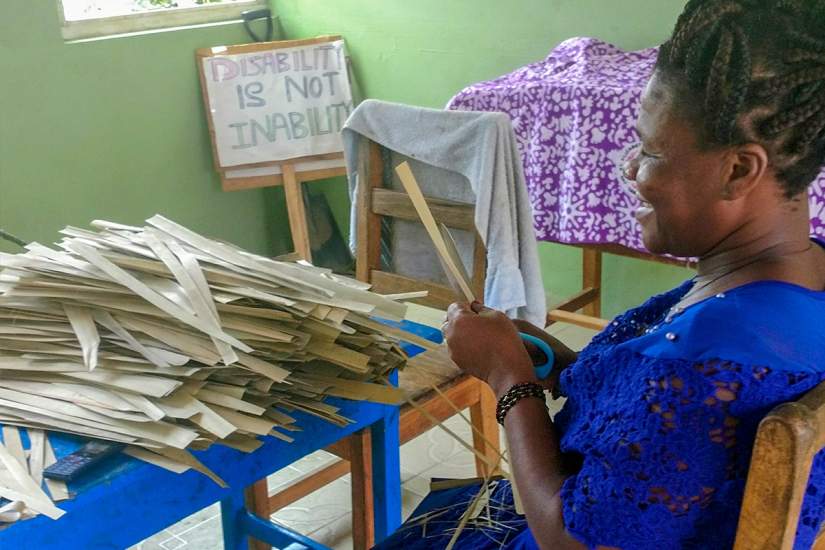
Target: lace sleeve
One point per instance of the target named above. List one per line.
(666, 446)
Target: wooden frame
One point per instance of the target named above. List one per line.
(167, 19)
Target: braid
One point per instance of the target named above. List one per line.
(740, 84)
(718, 70)
(800, 56)
(813, 131)
(808, 91)
(754, 71)
(806, 41)
(698, 21)
(790, 118)
(793, 5)
(784, 83)
(696, 57)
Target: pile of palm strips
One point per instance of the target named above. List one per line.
(165, 340)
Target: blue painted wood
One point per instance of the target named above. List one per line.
(232, 509)
(239, 524)
(277, 536)
(125, 501)
(386, 465)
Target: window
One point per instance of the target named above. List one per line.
(95, 18)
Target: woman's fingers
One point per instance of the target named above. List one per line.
(457, 309)
(478, 307)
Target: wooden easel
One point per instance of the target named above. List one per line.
(291, 176)
(292, 181)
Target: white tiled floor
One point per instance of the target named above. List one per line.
(325, 515)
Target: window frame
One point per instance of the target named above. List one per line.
(154, 20)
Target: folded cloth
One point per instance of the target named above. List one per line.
(480, 147)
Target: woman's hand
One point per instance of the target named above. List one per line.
(486, 344)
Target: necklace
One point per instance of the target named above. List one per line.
(695, 294)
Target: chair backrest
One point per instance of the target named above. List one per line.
(375, 201)
(787, 440)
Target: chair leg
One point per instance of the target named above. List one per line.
(592, 278)
(483, 418)
(257, 502)
(363, 512)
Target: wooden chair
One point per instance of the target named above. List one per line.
(374, 203)
(787, 440)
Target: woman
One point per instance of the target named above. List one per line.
(652, 447)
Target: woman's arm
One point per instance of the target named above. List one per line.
(535, 460)
(487, 345)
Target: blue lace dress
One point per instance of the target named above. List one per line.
(661, 413)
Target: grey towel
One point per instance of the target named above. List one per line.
(478, 148)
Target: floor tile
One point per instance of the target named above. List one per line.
(460, 465)
(336, 534)
(409, 502)
(153, 542)
(318, 509)
(207, 535)
(200, 531)
(195, 520)
(310, 463)
(434, 446)
(418, 485)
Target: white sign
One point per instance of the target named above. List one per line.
(277, 104)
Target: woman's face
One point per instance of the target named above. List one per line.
(682, 187)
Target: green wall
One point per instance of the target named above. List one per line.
(114, 129)
(423, 51)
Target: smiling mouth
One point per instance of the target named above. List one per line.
(643, 203)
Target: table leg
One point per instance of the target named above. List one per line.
(592, 278)
(233, 508)
(386, 482)
(363, 514)
(238, 524)
(294, 194)
(257, 502)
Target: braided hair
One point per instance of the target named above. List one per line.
(753, 71)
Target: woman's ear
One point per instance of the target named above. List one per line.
(747, 166)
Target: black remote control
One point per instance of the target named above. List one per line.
(72, 465)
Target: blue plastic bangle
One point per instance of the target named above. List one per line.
(542, 371)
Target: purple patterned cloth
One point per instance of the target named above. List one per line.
(574, 115)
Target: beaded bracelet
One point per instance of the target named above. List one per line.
(516, 394)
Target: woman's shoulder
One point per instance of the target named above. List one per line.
(764, 322)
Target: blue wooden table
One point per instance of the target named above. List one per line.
(126, 501)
